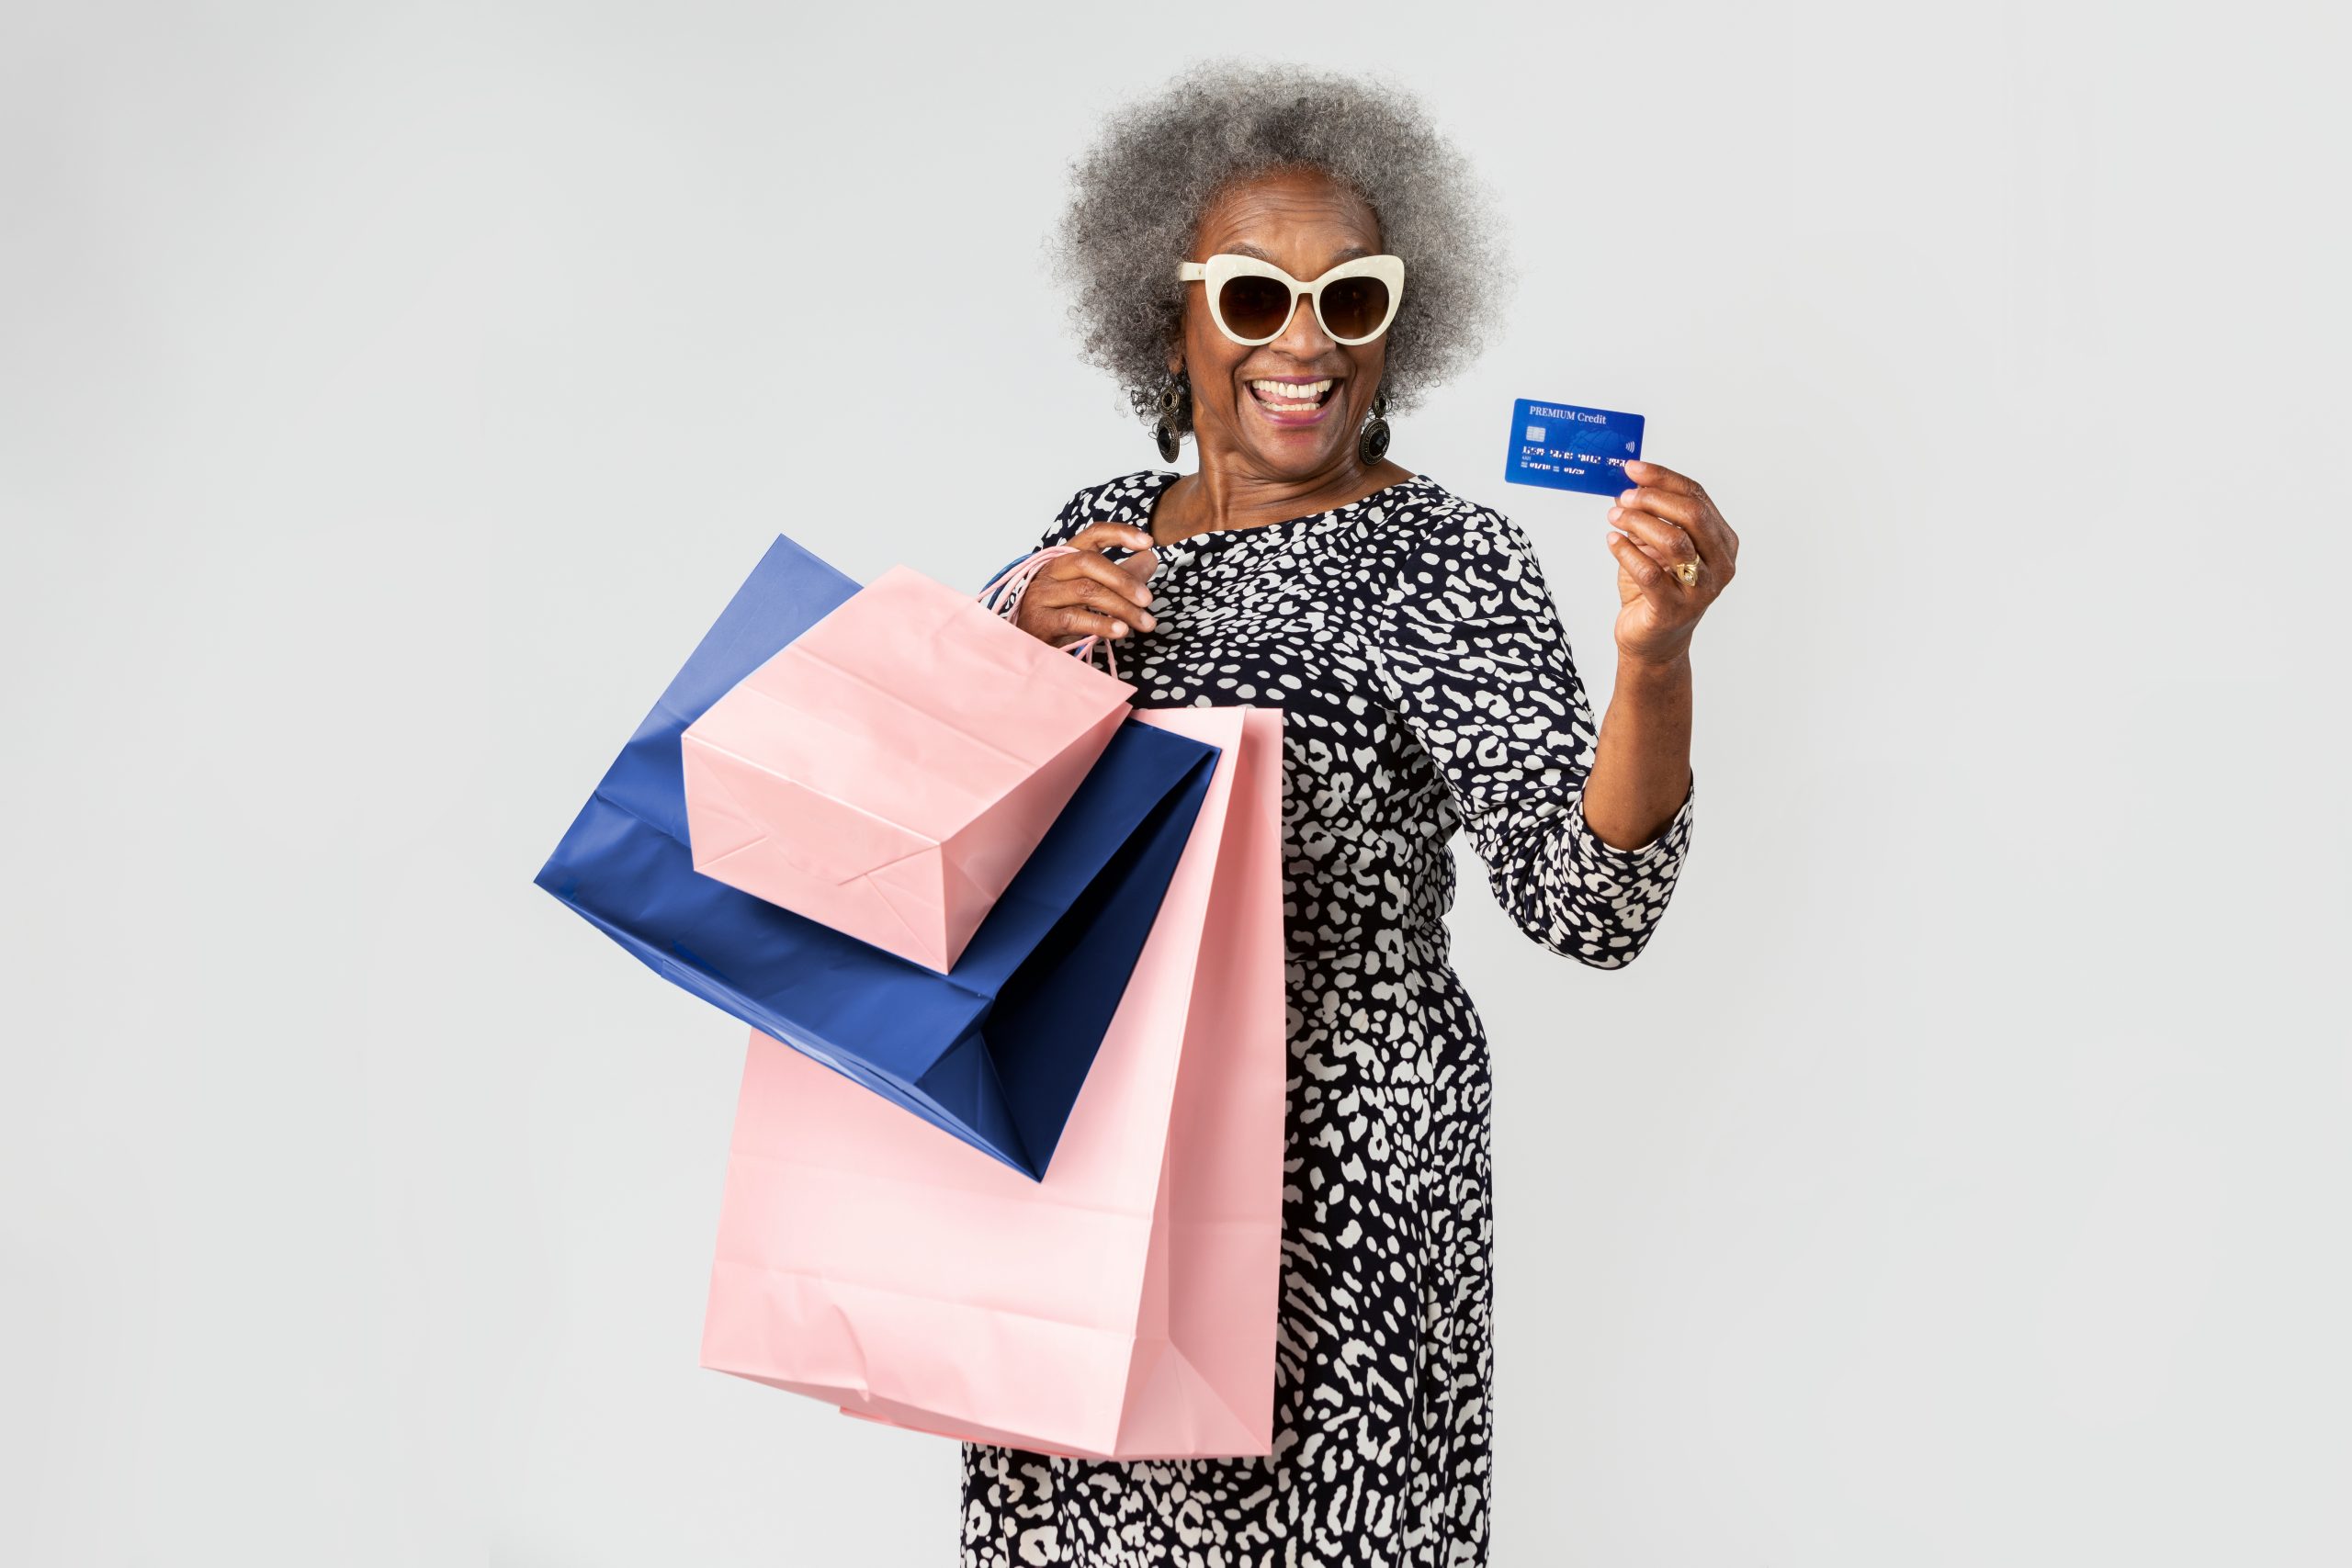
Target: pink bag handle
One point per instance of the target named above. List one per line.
(1004, 596)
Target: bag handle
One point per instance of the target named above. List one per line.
(1004, 596)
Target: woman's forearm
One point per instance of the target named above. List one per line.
(1641, 769)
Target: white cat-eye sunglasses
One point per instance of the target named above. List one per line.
(1251, 300)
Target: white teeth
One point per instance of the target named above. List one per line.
(1291, 392)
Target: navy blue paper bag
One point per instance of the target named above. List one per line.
(995, 1049)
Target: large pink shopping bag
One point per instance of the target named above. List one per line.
(1124, 1306)
(888, 771)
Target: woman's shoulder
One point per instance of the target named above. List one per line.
(1430, 521)
(1447, 555)
(1126, 498)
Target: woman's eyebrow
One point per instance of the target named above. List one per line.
(1348, 252)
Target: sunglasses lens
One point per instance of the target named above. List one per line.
(1354, 306)
(1253, 307)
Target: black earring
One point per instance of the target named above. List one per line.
(1373, 445)
(1175, 414)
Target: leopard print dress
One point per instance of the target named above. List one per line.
(1426, 685)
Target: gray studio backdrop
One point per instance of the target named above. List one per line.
(389, 394)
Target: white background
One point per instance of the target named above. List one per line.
(391, 394)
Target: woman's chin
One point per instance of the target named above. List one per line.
(1295, 454)
(1299, 444)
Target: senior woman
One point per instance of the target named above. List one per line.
(1272, 260)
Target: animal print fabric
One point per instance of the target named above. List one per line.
(1427, 684)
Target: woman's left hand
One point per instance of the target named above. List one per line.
(1672, 524)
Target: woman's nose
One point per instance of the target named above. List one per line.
(1304, 337)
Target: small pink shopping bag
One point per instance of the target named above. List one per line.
(1124, 1306)
(890, 770)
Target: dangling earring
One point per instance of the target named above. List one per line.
(1175, 414)
(1373, 445)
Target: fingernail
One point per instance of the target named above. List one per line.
(1615, 512)
(1149, 622)
(1628, 497)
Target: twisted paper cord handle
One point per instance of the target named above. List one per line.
(1004, 595)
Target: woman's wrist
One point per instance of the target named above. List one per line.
(1652, 670)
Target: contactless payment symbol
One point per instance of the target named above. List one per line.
(1563, 446)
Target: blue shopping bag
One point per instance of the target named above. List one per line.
(995, 1049)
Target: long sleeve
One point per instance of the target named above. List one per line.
(1475, 662)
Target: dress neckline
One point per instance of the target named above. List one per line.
(1163, 478)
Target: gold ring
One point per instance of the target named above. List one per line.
(1686, 572)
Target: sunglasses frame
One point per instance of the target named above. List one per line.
(1223, 267)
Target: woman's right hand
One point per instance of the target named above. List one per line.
(1088, 593)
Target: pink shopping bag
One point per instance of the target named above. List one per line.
(1124, 1306)
(888, 771)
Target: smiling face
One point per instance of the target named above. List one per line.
(1289, 410)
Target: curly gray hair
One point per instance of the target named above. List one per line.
(1139, 194)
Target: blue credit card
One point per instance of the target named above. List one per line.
(1562, 446)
